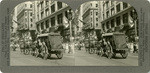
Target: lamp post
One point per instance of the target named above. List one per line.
(71, 38)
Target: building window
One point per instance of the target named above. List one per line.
(31, 20)
(60, 18)
(25, 19)
(96, 24)
(42, 25)
(30, 5)
(112, 3)
(66, 14)
(91, 13)
(103, 16)
(96, 5)
(112, 23)
(91, 24)
(47, 3)
(53, 21)
(103, 7)
(59, 5)
(112, 11)
(31, 25)
(125, 5)
(38, 17)
(125, 18)
(103, 27)
(107, 4)
(42, 5)
(91, 4)
(42, 15)
(47, 12)
(118, 7)
(30, 14)
(96, 19)
(47, 23)
(107, 25)
(107, 14)
(96, 13)
(53, 8)
(118, 21)
(25, 13)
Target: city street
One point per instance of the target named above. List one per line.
(80, 58)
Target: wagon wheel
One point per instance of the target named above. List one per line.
(36, 52)
(91, 51)
(59, 55)
(124, 54)
(45, 56)
(101, 52)
(26, 51)
(109, 53)
(114, 55)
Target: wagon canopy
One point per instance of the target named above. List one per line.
(55, 40)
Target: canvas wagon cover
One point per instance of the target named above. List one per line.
(120, 41)
(55, 41)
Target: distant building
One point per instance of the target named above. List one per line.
(115, 14)
(14, 18)
(90, 18)
(119, 17)
(25, 20)
(78, 16)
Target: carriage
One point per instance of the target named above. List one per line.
(115, 43)
(51, 44)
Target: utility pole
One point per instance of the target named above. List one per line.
(71, 38)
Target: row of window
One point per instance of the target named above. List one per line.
(118, 9)
(52, 21)
(47, 11)
(111, 23)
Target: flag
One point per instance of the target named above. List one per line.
(66, 22)
(16, 22)
(82, 21)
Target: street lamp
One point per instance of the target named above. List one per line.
(71, 39)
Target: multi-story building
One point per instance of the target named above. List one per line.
(25, 20)
(118, 16)
(78, 15)
(49, 14)
(14, 18)
(90, 17)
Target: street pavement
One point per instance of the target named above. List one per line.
(79, 58)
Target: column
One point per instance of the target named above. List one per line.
(121, 5)
(56, 8)
(64, 18)
(56, 21)
(121, 19)
(50, 22)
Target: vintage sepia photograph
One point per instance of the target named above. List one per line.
(97, 33)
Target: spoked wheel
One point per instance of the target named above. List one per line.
(109, 54)
(26, 51)
(59, 55)
(101, 52)
(91, 51)
(114, 55)
(124, 54)
(36, 53)
(45, 56)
